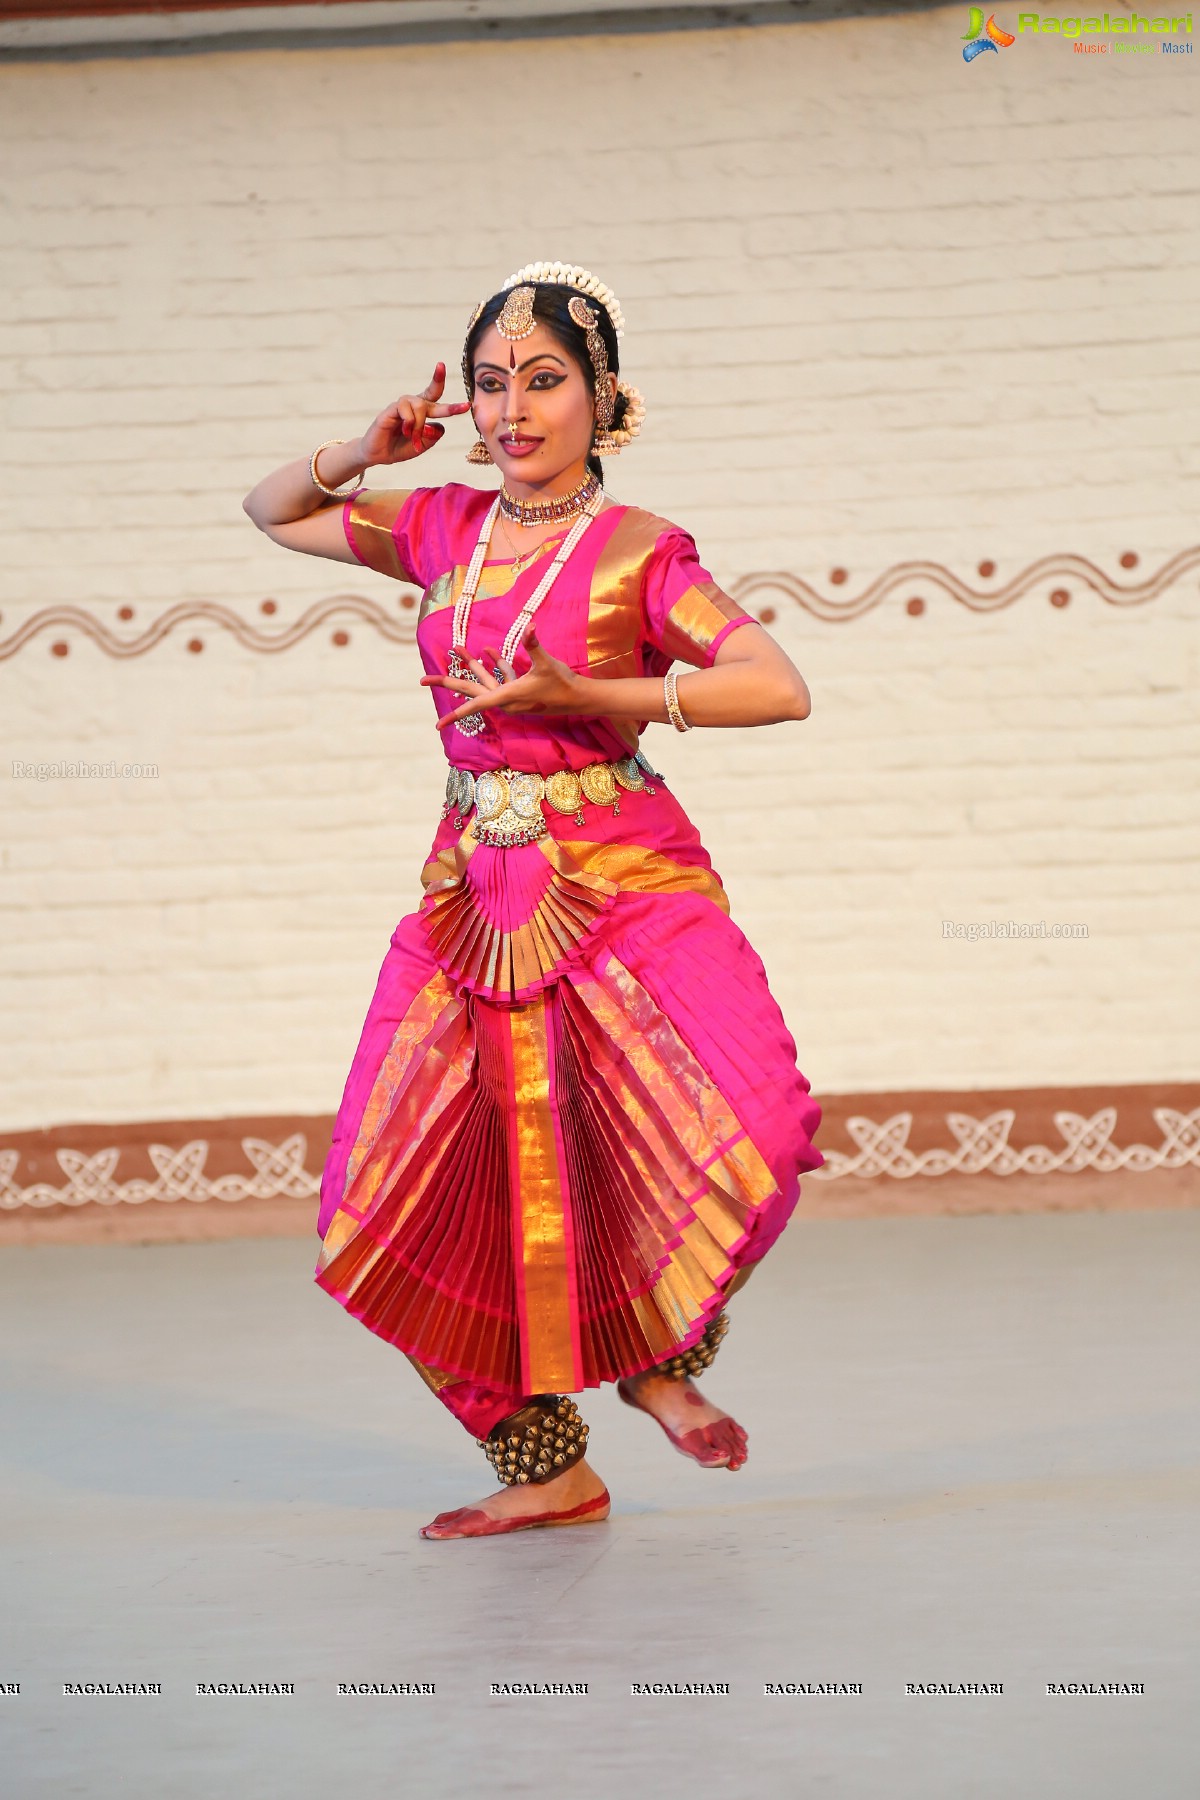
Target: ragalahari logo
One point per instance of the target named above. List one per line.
(993, 37)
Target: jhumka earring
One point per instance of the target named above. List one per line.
(479, 452)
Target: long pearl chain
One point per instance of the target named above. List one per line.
(456, 668)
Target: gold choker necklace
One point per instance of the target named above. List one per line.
(546, 512)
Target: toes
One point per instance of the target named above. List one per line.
(715, 1445)
(699, 1444)
(728, 1437)
(444, 1522)
(472, 1524)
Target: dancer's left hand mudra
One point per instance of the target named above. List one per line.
(548, 686)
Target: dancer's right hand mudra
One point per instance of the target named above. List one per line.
(287, 506)
(404, 429)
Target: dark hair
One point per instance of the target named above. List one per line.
(550, 301)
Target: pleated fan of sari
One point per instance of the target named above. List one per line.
(502, 921)
(553, 1257)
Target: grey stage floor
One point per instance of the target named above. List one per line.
(973, 1459)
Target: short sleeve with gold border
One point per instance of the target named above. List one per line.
(686, 616)
(383, 529)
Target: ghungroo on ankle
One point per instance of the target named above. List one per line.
(537, 1443)
(698, 1358)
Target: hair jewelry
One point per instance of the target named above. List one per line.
(586, 318)
(571, 275)
(517, 321)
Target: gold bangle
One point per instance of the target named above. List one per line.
(334, 493)
(672, 699)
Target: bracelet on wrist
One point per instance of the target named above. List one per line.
(672, 702)
(334, 493)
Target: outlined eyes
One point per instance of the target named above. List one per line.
(491, 384)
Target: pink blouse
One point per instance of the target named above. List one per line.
(633, 599)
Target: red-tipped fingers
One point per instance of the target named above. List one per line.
(459, 712)
(433, 393)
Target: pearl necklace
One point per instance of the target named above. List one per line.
(456, 668)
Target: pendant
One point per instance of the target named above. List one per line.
(473, 723)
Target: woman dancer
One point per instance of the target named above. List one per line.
(574, 1121)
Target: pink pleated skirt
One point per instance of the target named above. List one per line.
(573, 1113)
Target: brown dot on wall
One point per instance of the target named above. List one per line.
(767, 614)
(914, 607)
(268, 606)
(1060, 597)
(1129, 559)
(195, 645)
(986, 569)
(59, 649)
(838, 576)
(124, 612)
(341, 637)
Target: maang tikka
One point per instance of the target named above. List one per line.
(517, 320)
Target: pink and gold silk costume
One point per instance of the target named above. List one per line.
(574, 1111)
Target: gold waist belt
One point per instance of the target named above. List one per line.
(510, 803)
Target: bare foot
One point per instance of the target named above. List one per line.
(576, 1497)
(694, 1425)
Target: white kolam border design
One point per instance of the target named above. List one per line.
(983, 1147)
(278, 1171)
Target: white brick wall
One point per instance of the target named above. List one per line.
(883, 306)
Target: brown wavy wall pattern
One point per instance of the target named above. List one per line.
(1057, 578)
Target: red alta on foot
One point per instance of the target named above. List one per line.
(468, 1521)
(721, 1445)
